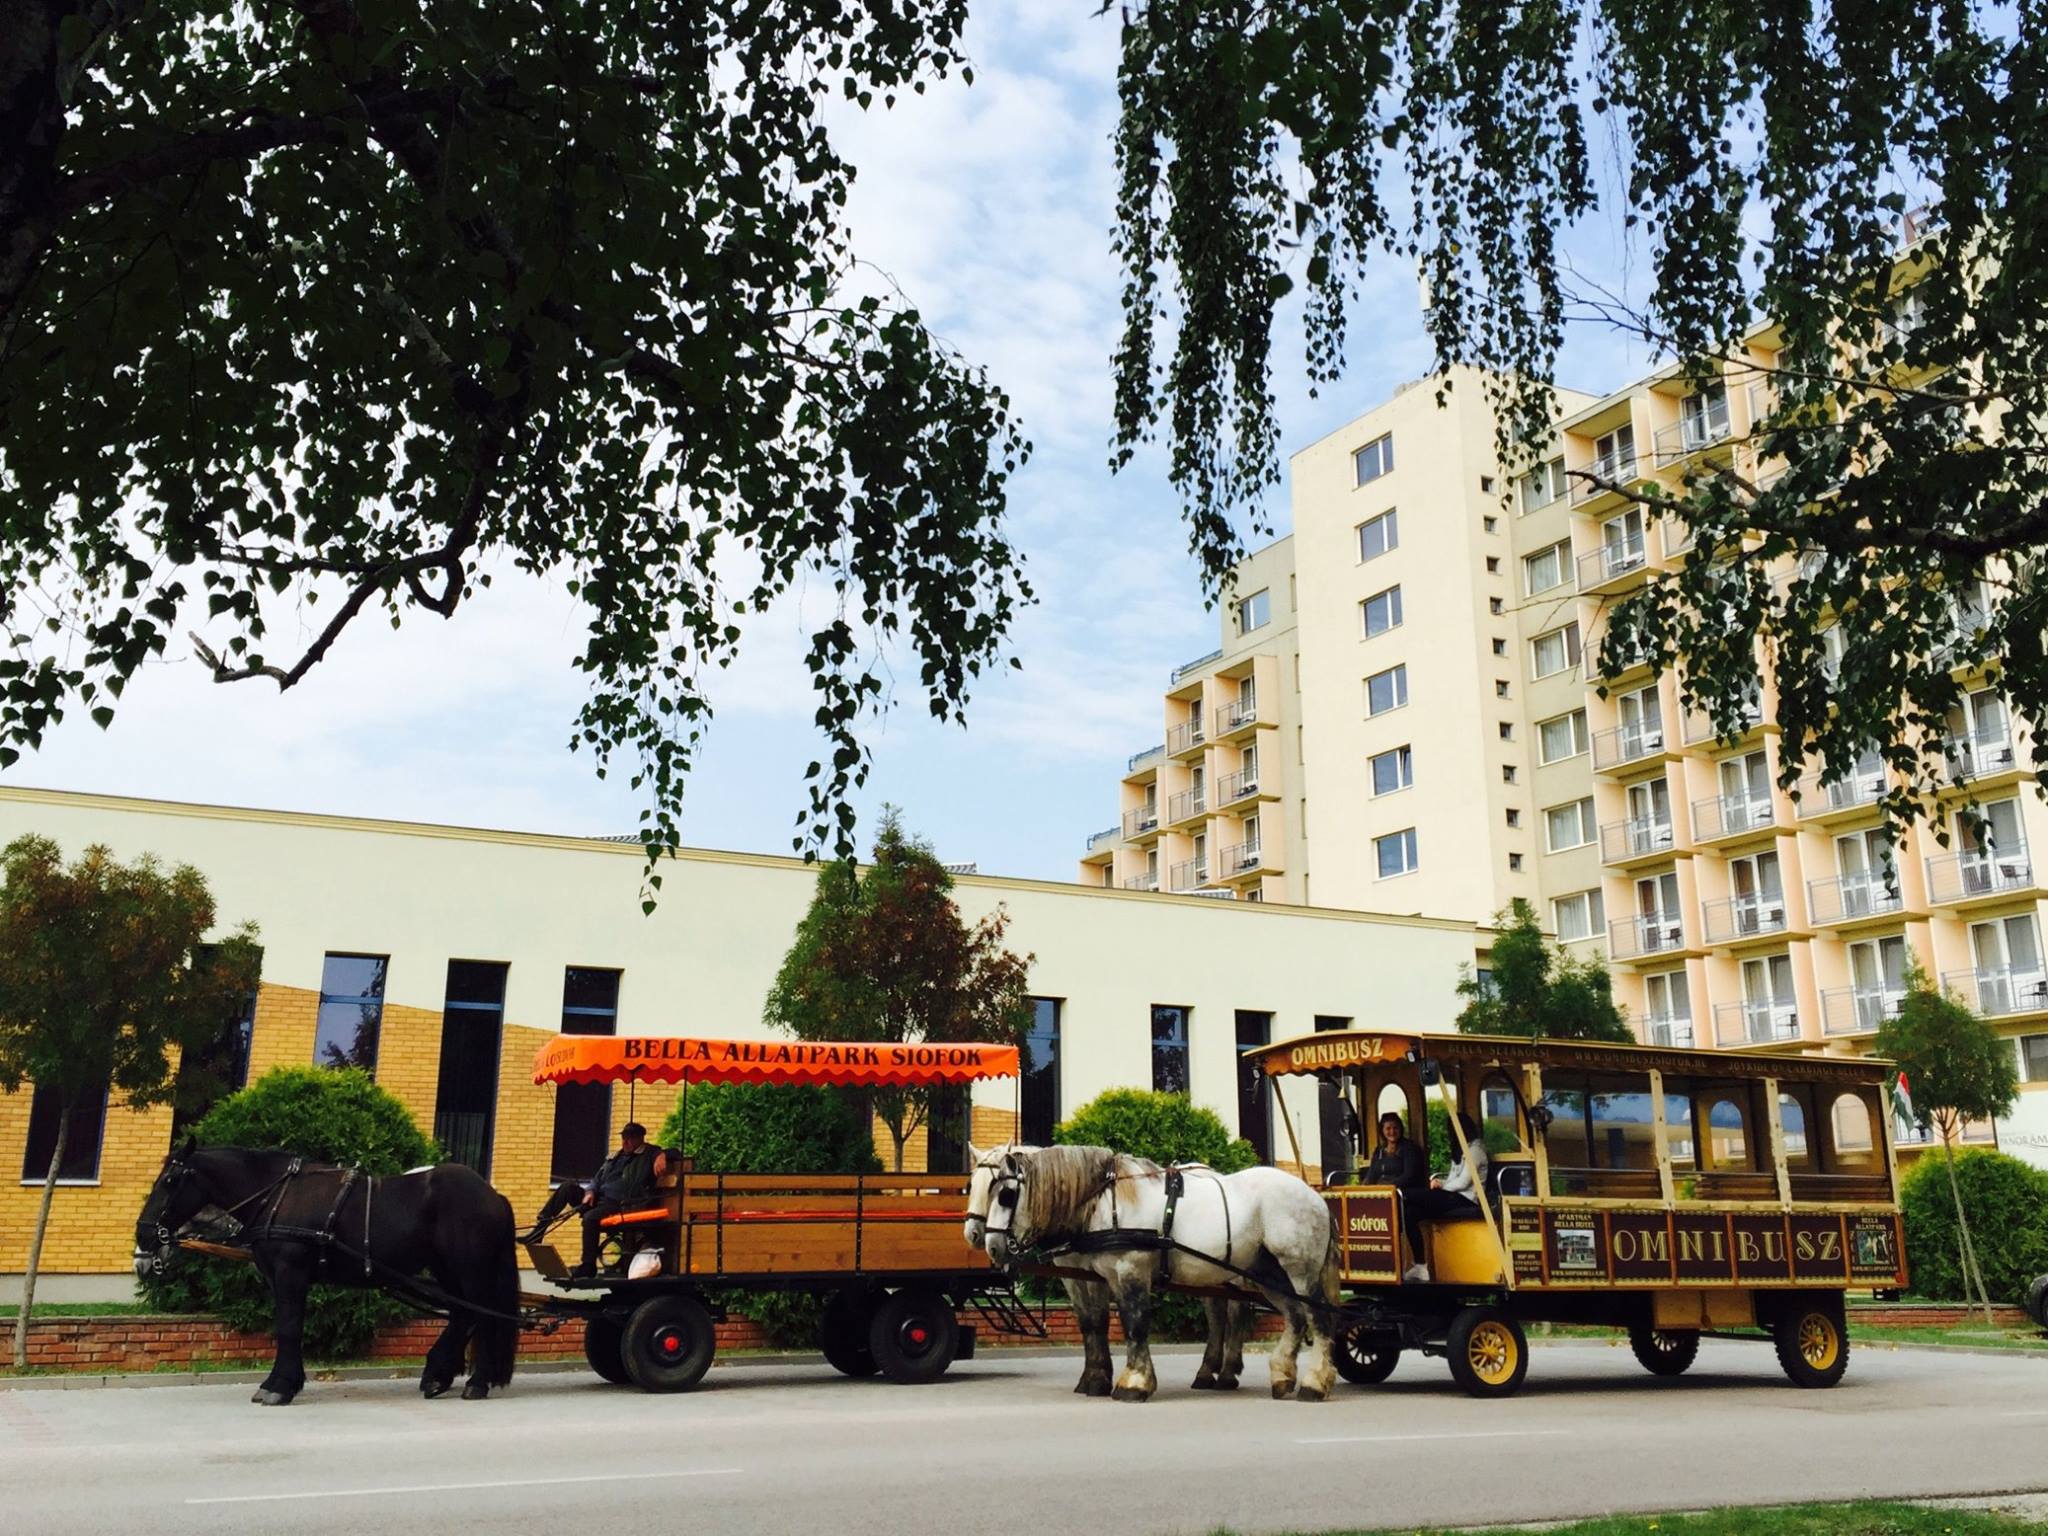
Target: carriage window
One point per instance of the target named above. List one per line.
(351, 1011)
(1855, 1138)
(1564, 1143)
(583, 1111)
(1727, 1134)
(1792, 1118)
(1502, 1126)
(1622, 1122)
(1678, 1129)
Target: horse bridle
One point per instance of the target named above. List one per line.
(1006, 1184)
(176, 1170)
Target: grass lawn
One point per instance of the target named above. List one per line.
(8, 1310)
(1979, 1334)
(1796, 1520)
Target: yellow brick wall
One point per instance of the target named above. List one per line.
(92, 1227)
(409, 1059)
(286, 1020)
(523, 1133)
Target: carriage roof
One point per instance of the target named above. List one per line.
(1344, 1050)
(845, 1064)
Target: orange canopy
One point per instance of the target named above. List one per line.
(648, 1059)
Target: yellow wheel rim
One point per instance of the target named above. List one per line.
(1491, 1352)
(1819, 1343)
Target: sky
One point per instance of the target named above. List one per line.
(990, 205)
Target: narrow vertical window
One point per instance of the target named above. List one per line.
(1041, 1093)
(351, 1011)
(583, 1111)
(1169, 1048)
(466, 1091)
(1254, 1095)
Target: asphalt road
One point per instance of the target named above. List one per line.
(1002, 1446)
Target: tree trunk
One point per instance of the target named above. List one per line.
(35, 1242)
(897, 1136)
(1968, 1249)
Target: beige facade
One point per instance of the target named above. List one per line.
(1140, 984)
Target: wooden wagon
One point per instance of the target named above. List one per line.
(885, 1250)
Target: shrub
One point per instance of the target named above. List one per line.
(328, 1115)
(2007, 1204)
(773, 1128)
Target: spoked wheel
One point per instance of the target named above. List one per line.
(1813, 1343)
(668, 1344)
(843, 1333)
(1664, 1352)
(1364, 1357)
(1488, 1351)
(914, 1336)
(604, 1347)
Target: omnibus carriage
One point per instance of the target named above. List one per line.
(885, 1249)
(1670, 1192)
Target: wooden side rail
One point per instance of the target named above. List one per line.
(1842, 1186)
(1736, 1185)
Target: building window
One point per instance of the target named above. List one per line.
(583, 1111)
(1496, 606)
(1562, 736)
(1395, 853)
(1376, 458)
(209, 1073)
(1514, 817)
(1547, 568)
(1378, 535)
(1514, 863)
(1493, 565)
(1614, 453)
(1254, 1095)
(1392, 770)
(1553, 652)
(1490, 524)
(1500, 646)
(1500, 687)
(1579, 916)
(1507, 730)
(351, 1011)
(1386, 690)
(2034, 1058)
(1381, 612)
(1486, 485)
(466, 1093)
(80, 1163)
(1169, 1048)
(1541, 485)
(1254, 611)
(1569, 826)
(1041, 1090)
(1507, 773)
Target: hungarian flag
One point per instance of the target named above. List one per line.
(1905, 1096)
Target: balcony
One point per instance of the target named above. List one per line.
(1768, 1023)
(1149, 881)
(1611, 562)
(1639, 837)
(1693, 432)
(1735, 918)
(1186, 806)
(1968, 623)
(1864, 786)
(1240, 714)
(1720, 816)
(1616, 468)
(2000, 992)
(1647, 933)
(1185, 737)
(1673, 1029)
(1212, 895)
(1621, 745)
(1674, 536)
(1981, 754)
(1857, 1010)
(1233, 787)
(1974, 1133)
(1141, 820)
(1188, 874)
(1699, 725)
(1105, 837)
(1978, 874)
(1188, 667)
(1145, 758)
(1237, 859)
(1847, 898)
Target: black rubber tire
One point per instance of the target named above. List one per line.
(604, 1347)
(1664, 1352)
(668, 1344)
(843, 1333)
(914, 1336)
(2037, 1300)
(1812, 1339)
(1488, 1351)
(1365, 1358)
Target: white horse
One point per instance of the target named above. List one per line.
(1230, 1322)
(1260, 1226)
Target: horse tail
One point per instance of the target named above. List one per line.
(497, 1331)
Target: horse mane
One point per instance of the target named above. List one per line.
(1066, 1181)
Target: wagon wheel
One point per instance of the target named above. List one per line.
(1366, 1357)
(1813, 1344)
(668, 1344)
(914, 1336)
(1488, 1351)
(604, 1347)
(1664, 1352)
(843, 1333)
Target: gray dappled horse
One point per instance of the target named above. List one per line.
(1260, 1227)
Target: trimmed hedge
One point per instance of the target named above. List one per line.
(326, 1114)
(1166, 1127)
(2007, 1203)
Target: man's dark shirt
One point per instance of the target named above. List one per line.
(1403, 1168)
(625, 1177)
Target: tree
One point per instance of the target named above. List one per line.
(1537, 990)
(104, 980)
(1166, 1127)
(1956, 1069)
(1771, 160)
(884, 954)
(319, 302)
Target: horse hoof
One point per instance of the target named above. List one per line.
(1226, 1384)
(1131, 1394)
(1310, 1395)
(1282, 1390)
(474, 1388)
(270, 1399)
(433, 1388)
(1203, 1383)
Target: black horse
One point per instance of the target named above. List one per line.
(305, 1223)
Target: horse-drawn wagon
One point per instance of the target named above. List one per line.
(885, 1249)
